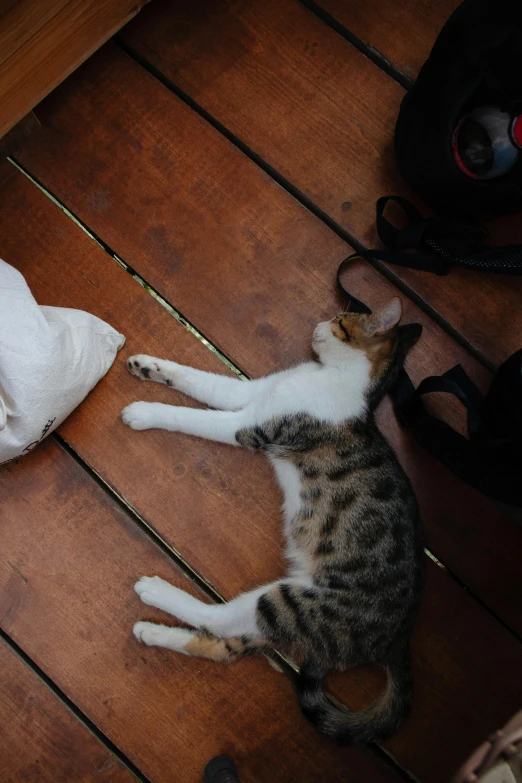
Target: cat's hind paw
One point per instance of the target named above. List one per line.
(155, 591)
(162, 636)
(151, 633)
(149, 587)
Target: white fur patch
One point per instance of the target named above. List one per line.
(290, 482)
(162, 636)
(332, 390)
(330, 393)
(141, 415)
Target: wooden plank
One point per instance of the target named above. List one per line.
(200, 221)
(70, 606)
(485, 308)
(67, 600)
(139, 185)
(454, 654)
(323, 115)
(298, 94)
(42, 43)
(10, 143)
(65, 268)
(212, 485)
(42, 741)
(402, 32)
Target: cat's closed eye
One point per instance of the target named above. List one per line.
(344, 330)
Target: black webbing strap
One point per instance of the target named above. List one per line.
(444, 243)
(490, 458)
(439, 438)
(409, 407)
(406, 398)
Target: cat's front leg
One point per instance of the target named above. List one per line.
(217, 391)
(220, 426)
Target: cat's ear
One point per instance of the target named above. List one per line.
(382, 321)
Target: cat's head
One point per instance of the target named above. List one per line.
(378, 335)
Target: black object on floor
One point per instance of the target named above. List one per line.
(463, 109)
(490, 458)
(220, 769)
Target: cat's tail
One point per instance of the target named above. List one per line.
(378, 721)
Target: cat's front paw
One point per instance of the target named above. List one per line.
(151, 369)
(139, 415)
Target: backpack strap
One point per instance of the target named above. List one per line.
(489, 467)
(407, 400)
(444, 243)
(410, 409)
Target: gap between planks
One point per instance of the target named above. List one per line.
(369, 51)
(307, 203)
(173, 553)
(152, 291)
(130, 511)
(76, 711)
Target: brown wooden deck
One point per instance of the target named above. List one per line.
(228, 153)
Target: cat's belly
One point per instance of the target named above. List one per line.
(290, 482)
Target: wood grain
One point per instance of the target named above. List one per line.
(241, 259)
(402, 32)
(67, 599)
(147, 170)
(11, 142)
(220, 508)
(42, 741)
(288, 86)
(323, 115)
(43, 42)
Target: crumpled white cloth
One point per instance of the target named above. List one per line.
(50, 359)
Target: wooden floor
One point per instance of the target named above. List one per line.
(211, 166)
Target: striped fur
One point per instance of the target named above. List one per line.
(351, 519)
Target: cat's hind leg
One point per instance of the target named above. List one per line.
(269, 611)
(200, 643)
(224, 632)
(233, 618)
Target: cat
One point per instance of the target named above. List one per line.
(350, 518)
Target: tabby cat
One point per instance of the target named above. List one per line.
(350, 517)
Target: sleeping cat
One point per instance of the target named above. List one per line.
(350, 518)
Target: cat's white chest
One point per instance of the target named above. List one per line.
(327, 394)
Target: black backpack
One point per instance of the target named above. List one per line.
(474, 63)
(490, 458)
